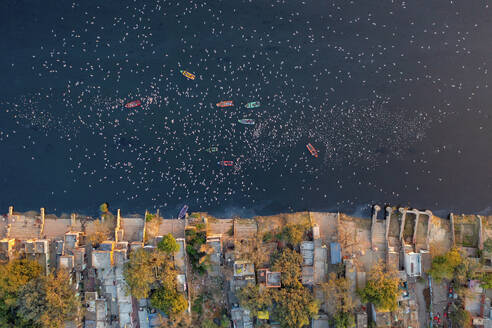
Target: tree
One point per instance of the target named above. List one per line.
(337, 291)
(344, 320)
(144, 269)
(293, 233)
(168, 300)
(295, 307)
(487, 245)
(461, 317)
(13, 276)
(207, 323)
(252, 250)
(289, 264)
(168, 244)
(381, 288)
(444, 266)
(254, 299)
(104, 207)
(486, 280)
(101, 231)
(467, 269)
(48, 301)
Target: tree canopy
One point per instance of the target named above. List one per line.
(487, 245)
(293, 233)
(13, 276)
(254, 299)
(143, 269)
(344, 320)
(48, 301)
(289, 264)
(381, 288)
(292, 305)
(444, 266)
(153, 273)
(461, 317)
(338, 295)
(168, 300)
(295, 307)
(168, 244)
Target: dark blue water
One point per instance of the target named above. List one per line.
(395, 97)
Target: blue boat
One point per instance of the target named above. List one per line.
(183, 211)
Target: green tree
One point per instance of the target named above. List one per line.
(168, 244)
(48, 301)
(460, 317)
(486, 280)
(13, 276)
(207, 323)
(293, 233)
(344, 320)
(295, 307)
(225, 322)
(289, 264)
(254, 299)
(381, 288)
(337, 291)
(144, 269)
(168, 300)
(487, 245)
(100, 231)
(104, 207)
(444, 266)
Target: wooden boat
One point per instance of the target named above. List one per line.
(226, 103)
(133, 104)
(226, 163)
(188, 74)
(247, 121)
(253, 104)
(312, 150)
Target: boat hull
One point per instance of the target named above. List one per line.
(183, 211)
(247, 121)
(227, 103)
(312, 150)
(133, 104)
(253, 104)
(226, 163)
(188, 75)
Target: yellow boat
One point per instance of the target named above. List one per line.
(188, 74)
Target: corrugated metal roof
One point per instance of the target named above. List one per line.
(335, 253)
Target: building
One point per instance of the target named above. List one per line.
(6, 249)
(244, 270)
(307, 277)
(241, 318)
(335, 253)
(413, 266)
(269, 279)
(307, 252)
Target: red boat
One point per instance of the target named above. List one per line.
(133, 104)
(226, 163)
(312, 150)
(226, 103)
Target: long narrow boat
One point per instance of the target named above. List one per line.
(133, 104)
(225, 103)
(183, 211)
(312, 150)
(247, 121)
(188, 74)
(226, 163)
(253, 104)
(212, 149)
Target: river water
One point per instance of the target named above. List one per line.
(394, 95)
